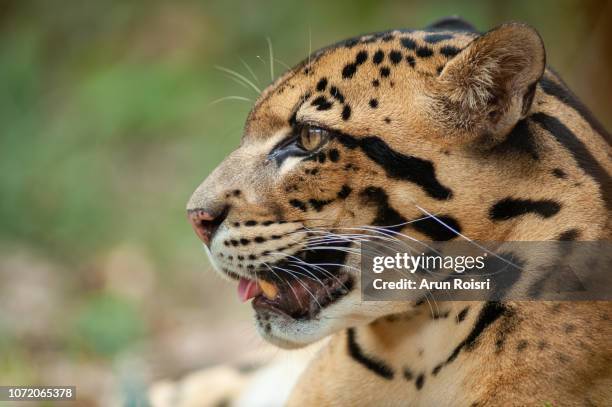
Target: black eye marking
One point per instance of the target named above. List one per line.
(509, 208)
(399, 166)
(449, 51)
(435, 38)
(408, 43)
(322, 84)
(395, 57)
(424, 52)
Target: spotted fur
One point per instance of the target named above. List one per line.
(474, 128)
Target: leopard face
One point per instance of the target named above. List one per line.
(402, 132)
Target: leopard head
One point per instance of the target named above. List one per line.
(400, 132)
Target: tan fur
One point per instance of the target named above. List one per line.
(457, 119)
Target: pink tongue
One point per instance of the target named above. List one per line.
(248, 289)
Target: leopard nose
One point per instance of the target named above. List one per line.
(205, 223)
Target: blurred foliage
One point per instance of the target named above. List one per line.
(108, 325)
(109, 120)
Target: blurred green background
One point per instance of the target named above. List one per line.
(110, 117)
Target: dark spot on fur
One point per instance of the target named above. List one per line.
(362, 56)
(346, 112)
(385, 214)
(298, 204)
(387, 120)
(375, 365)
(250, 223)
(542, 345)
(509, 208)
(334, 155)
(437, 369)
(408, 43)
(318, 204)
(435, 230)
(378, 57)
(411, 61)
(395, 57)
(408, 374)
(569, 235)
(322, 84)
(424, 52)
(373, 103)
(462, 314)
(244, 241)
(435, 38)
(335, 93)
(349, 70)
(569, 328)
(449, 51)
(321, 103)
(420, 381)
(344, 192)
(559, 173)
(234, 242)
(376, 83)
(522, 345)
(385, 71)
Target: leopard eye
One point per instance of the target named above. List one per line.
(311, 138)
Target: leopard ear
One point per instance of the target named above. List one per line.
(489, 85)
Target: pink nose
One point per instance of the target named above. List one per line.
(203, 223)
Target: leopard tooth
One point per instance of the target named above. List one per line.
(269, 290)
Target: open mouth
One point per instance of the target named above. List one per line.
(298, 291)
